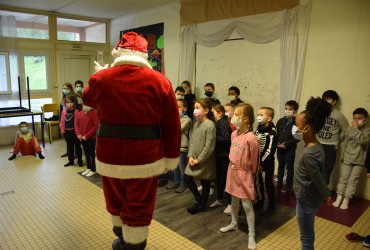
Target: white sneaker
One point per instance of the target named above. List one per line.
(216, 203)
(86, 172)
(200, 188)
(251, 242)
(91, 173)
(211, 190)
(231, 227)
(227, 209)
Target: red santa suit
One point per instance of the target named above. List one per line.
(139, 135)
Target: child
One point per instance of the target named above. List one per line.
(67, 125)
(189, 98)
(229, 112)
(25, 142)
(244, 157)
(179, 93)
(354, 154)
(309, 182)
(234, 93)
(209, 91)
(223, 143)
(79, 87)
(286, 145)
(178, 173)
(201, 154)
(87, 125)
(267, 136)
(332, 133)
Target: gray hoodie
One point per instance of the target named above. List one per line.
(355, 145)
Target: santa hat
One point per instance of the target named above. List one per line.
(131, 43)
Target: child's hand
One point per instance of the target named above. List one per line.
(192, 161)
(79, 137)
(354, 124)
(195, 161)
(83, 138)
(282, 145)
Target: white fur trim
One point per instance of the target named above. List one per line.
(135, 235)
(136, 171)
(116, 221)
(131, 60)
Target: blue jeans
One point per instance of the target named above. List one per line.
(306, 223)
(178, 173)
(286, 158)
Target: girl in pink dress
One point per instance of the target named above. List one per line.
(244, 155)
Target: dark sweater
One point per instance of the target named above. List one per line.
(236, 101)
(284, 130)
(190, 100)
(267, 137)
(223, 137)
(367, 161)
(309, 177)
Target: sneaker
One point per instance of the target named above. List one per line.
(41, 156)
(180, 189)
(86, 172)
(366, 241)
(80, 163)
(69, 164)
(173, 186)
(216, 203)
(227, 209)
(200, 188)
(228, 228)
(196, 208)
(12, 157)
(64, 155)
(211, 191)
(89, 174)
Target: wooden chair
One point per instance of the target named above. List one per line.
(51, 108)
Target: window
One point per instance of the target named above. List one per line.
(4, 73)
(82, 31)
(27, 25)
(35, 67)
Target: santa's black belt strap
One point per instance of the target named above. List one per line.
(129, 132)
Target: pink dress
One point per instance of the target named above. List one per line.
(244, 155)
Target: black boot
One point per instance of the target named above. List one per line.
(12, 157)
(139, 246)
(196, 207)
(118, 244)
(40, 155)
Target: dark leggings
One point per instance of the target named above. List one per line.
(222, 164)
(206, 184)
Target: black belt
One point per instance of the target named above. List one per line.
(129, 132)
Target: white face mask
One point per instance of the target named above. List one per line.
(236, 122)
(298, 135)
(289, 113)
(24, 129)
(232, 98)
(361, 123)
(260, 119)
(179, 97)
(227, 114)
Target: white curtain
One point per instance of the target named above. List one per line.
(291, 26)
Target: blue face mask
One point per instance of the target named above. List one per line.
(79, 89)
(66, 91)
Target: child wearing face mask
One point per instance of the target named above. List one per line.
(234, 93)
(267, 136)
(332, 133)
(209, 91)
(26, 142)
(244, 158)
(67, 125)
(189, 98)
(178, 174)
(87, 125)
(309, 184)
(179, 93)
(201, 157)
(229, 112)
(354, 149)
(223, 143)
(286, 145)
(79, 87)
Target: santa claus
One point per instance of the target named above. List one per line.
(138, 138)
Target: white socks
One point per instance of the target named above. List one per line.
(344, 204)
(251, 242)
(338, 201)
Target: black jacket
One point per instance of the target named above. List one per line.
(223, 137)
(284, 130)
(267, 136)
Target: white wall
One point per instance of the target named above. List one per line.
(168, 14)
(338, 58)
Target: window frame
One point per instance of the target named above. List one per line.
(23, 76)
(8, 76)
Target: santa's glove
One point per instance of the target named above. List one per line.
(98, 67)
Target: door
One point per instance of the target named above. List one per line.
(76, 67)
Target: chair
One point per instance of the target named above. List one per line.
(48, 108)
